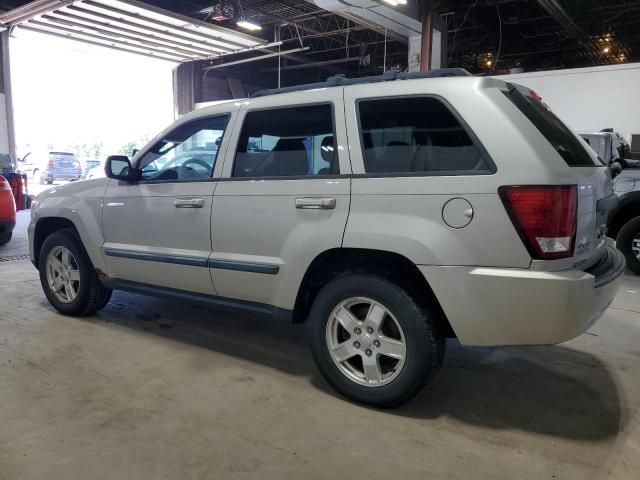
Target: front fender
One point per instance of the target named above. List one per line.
(81, 204)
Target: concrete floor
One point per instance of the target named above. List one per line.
(149, 389)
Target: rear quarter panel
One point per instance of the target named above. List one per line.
(404, 214)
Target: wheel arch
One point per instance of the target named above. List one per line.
(627, 209)
(45, 227)
(393, 266)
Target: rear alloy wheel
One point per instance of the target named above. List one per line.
(366, 342)
(68, 277)
(372, 342)
(628, 242)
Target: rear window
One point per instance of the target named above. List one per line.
(62, 157)
(551, 127)
(416, 136)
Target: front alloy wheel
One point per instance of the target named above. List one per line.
(63, 275)
(69, 280)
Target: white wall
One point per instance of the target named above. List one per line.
(590, 99)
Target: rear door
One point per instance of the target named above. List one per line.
(283, 197)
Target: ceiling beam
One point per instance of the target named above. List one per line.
(254, 59)
(560, 15)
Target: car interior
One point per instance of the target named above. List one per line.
(295, 141)
(420, 138)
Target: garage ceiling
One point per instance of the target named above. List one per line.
(131, 26)
(484, 36)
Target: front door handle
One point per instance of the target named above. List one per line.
(188, 203)
(316, 203)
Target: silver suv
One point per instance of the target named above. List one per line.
(387, 213)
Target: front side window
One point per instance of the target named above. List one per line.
(187, 153)
(416, 135)
(285, 142)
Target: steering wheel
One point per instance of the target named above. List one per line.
(184, 171)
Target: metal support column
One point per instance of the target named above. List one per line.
(427, 32)
(8, 93)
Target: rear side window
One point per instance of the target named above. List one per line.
(551, 127)
(287, 142)
(418, 135)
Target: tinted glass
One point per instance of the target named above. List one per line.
(551, 127)
(416, 135)
(599, 145)
(63, 159)
(284, 142)
(187, 153)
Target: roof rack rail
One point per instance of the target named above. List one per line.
(389, 75)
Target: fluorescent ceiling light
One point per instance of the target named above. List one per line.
(395, 3)
(250, 26)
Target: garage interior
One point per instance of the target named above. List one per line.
(153, 388)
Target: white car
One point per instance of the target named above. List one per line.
(95, 172)
(387, 213)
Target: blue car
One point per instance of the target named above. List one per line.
(60, 166)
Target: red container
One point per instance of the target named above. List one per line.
(7, 206)
(18, 184)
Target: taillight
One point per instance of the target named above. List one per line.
(534, 95)
(545, 218)
(51, 164)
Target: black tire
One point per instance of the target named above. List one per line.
(92, 295)
(624, 242)
(5, 237)
(425, 346)
(49, 182)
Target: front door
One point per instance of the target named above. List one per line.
(283, 197)
(157, 230)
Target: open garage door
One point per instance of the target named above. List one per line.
(130, 26)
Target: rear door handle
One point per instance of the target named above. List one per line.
(316, 203)
(188, 202)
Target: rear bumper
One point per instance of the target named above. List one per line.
(61, 176)
(500, 306)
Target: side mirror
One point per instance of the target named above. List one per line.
(119, 167)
